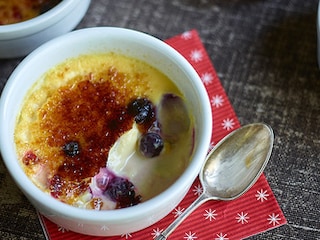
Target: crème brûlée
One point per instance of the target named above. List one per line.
(15, 11)
(104, 131)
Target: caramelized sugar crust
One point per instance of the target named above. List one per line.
(14, 11)
(83, 101)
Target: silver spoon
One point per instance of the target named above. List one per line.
(231, 167)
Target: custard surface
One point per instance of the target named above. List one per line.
(85, 99)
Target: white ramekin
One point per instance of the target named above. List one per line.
(96, 40)
(19, 39)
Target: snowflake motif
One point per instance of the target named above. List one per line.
(228, 124)
(156, 232)
(217, 101)
(197, 190)
(62, 229)
(186, 35)
(221, 236)
(126, 236)
(178, 211)
(206, 78)
(242, 217)
(196, 55)
(273, 219)
(190, 236)
(262, 195)
(210, 214)
(104, 228)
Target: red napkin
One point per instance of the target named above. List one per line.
(256, 211)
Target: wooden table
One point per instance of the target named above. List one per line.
(265, 55)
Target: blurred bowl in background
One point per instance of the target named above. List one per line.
(19, 39)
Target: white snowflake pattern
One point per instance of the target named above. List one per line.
(206, 78)
(221, 236)
(186, 35)
(217, 101)
(274, 219)
(196, 55)
(156, 232)
(197, 190)
(242, 217)
(126, 235)
(228, 124)
(178, 211)
(62, 229)
(210, 214)
(262, 195)
(104, 228)
(190, 236)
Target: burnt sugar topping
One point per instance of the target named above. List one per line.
(83, 121)
(15, 11)
(91, 116)
(89, 134)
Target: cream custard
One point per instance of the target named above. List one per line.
(104, 131)
(15, 11)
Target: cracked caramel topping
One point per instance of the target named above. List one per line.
(74, 114)
(15, 11)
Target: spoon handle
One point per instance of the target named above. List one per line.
(200, 200)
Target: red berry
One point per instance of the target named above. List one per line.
(30, 158)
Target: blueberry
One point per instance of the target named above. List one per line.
(122, 191)
(142, 109)
(71, 148)
(150, 144)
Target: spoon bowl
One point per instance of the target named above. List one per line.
(237, 161)
(231, 167)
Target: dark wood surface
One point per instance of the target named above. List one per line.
(265, 54)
